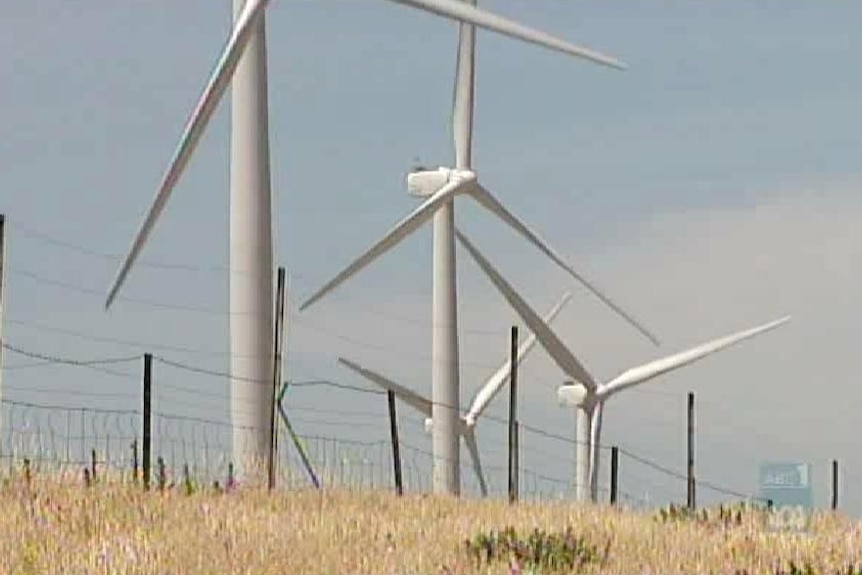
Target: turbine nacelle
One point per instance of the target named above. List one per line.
(573, 394)
(423, 182)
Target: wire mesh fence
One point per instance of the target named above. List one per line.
(58, 437)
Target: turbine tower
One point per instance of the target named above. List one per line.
(243, 61)
(481, 401)
(586, 394)
(251, 253)
(439, 187)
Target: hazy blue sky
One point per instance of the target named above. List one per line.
(712, 186)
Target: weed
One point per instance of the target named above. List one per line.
(554, 551)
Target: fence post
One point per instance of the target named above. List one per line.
(163, 473)
(513, 417)
(147, 423)
(83, 459)
(615, 463)
(93, 464)
(187, 479)
(276, 378)
(231, 478)
(690, 464)
(396, 449)
(135, 461)
(2, 291)
(834, 484)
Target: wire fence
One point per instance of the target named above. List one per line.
(54, 437)
(59, 434)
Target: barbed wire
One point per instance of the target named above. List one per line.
(139, 344)
(66, 391)
(84, 408)
(69, 361)
(653, 465)
(291, 354)
(94, 364)
(683, 477)
(207, 371)
(294, 319)
(336, 385)
(30, 232)
(44, 280)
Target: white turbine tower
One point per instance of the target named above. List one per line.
(587, 394)
(242, 63)
(439, 188)
(481, 401)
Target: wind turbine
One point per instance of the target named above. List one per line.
(439, 188)
(483, 397)
(587, 394)
(242, 63)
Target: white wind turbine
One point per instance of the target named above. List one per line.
(481, 401)
(590, 404)
(587, 394)
(439, 188)
(242, 64)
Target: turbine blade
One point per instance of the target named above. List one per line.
(462, 106)
(493, 205)
(473, 448)
(409, 396)
(195, 126)
(495, 383)
(648, 371)
(401, 230)
(464, 12)
(549, 340)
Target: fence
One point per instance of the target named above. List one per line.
(56, 435)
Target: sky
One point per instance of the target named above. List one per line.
(710, 187)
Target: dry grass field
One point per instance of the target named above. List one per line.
(55, 524)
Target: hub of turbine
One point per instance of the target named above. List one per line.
(422, 182)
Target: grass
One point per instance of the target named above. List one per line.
(53, 524)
